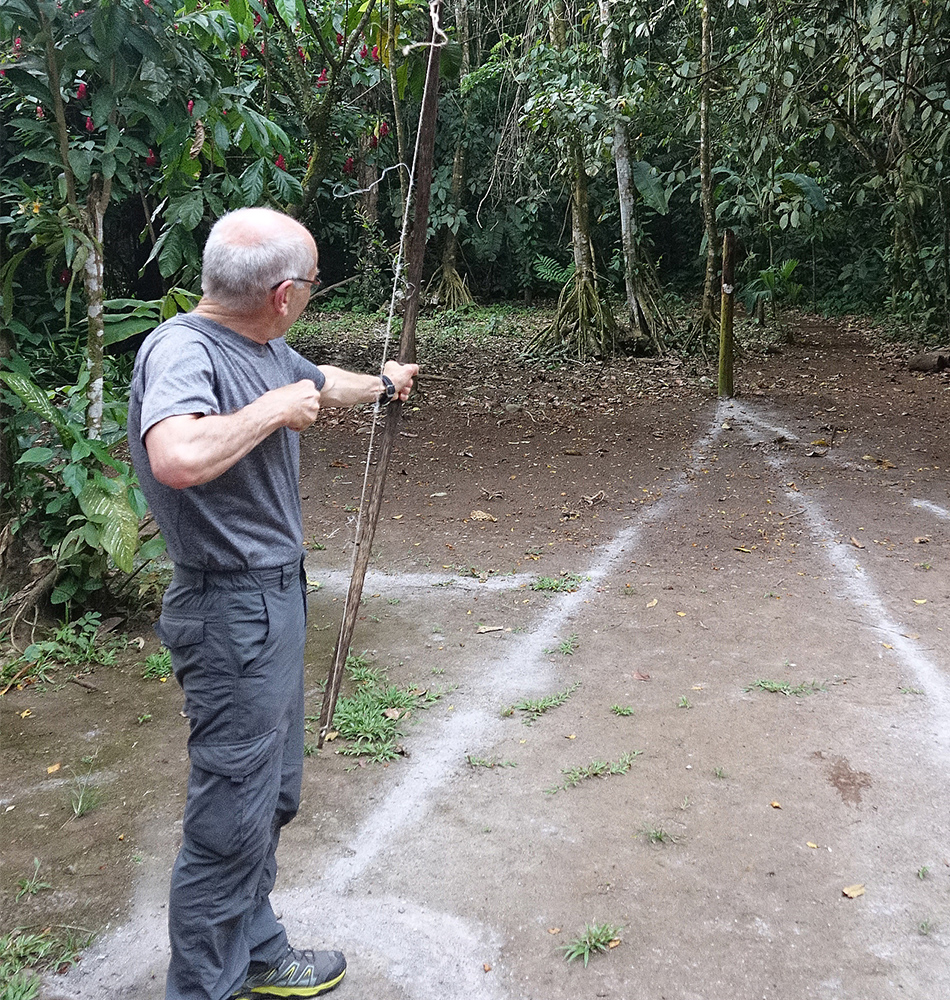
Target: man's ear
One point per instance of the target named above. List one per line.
(280, 301)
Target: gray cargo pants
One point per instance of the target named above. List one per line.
(237, 645)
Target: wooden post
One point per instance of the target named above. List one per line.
(725, 315)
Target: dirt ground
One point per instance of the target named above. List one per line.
(796, 535)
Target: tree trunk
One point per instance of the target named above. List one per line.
(726, 368)
(94, 215)
(640, 312)
(450, 288)
(708, 316)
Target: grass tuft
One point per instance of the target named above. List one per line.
(596, 937)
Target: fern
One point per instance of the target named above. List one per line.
(548, 269)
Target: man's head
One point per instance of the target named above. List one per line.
(250, 251)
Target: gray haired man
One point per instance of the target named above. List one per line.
(218, 400)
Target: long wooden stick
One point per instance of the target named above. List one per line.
(422, 173)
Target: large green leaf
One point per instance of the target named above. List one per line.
(806, 186)
(649, 186)
(35, 399)
(119, 526)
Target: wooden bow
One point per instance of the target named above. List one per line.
(413, 252)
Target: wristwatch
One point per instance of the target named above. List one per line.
(389, 391)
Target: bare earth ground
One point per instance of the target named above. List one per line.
(797, 534)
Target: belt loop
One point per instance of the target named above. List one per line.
(286, 577)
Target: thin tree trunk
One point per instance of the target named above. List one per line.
(94, 216)
(726, 343)
(705, 172)
(398, 121)
(640, 315)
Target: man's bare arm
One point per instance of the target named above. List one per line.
(343, 388)
(191, 449)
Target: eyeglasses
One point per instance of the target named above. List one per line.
(314, 283)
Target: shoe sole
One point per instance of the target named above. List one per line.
(261, 992)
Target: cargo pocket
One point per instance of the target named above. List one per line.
(232, 794)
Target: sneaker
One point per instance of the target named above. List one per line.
(300, 973)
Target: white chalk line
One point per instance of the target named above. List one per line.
(856, 584)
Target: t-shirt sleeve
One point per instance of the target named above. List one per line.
(306, 369)
(178, 380)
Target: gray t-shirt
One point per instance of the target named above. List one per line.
(250, 516)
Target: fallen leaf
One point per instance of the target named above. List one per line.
(776, 805)
(653, 603)
(814, 847)
(554, 930)
(53, 768)
(138, 642)
(26, 713)
(481, 515)
(742, 548)
(853, 891)
(887, 645)
(856, 543)
(920, 602)
(486, 967)
(613, 943)
(573, 736)
(821, 442)
(331, 736)
(910, 635)
(121, 836)
(637, 676)
(397, 517)
(681, 614)
(482, 629)
(921, 540)
(392, 713)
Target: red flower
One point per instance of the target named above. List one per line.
(17, 43)
(244, 52)
(64, 276)
(375, 53)
(280, 163)
(339, 39)
(257, 20)
(81, 92)
(322, 78)
(302, 54)
(151, 160)
(90, 127)
(349, 166)
(363, 52)
(39, 112)
(383, 130)
(373, 141)
(191, 107)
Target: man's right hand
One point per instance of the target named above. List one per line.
(299, 402)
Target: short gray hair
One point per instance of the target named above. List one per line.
(241, 272)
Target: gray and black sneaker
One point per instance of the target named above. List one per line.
(300, 973)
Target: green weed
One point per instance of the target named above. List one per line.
(25, 955)
(684, 702)
(656, 835)
(489, 762)
(785, 688)
(573, 776)
(719, 772)
(922, 873)
(73, 644)
(30, 885)
(84, 796)
(158, 665)
(534, 708)
(925, 927)
(621, 710)
(563, 584)
(566, 646)
(596, 937)
(373, 718)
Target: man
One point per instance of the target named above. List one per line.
(218, 400)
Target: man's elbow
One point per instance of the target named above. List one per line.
(175, 475)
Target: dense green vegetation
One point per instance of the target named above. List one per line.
(595, 150)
